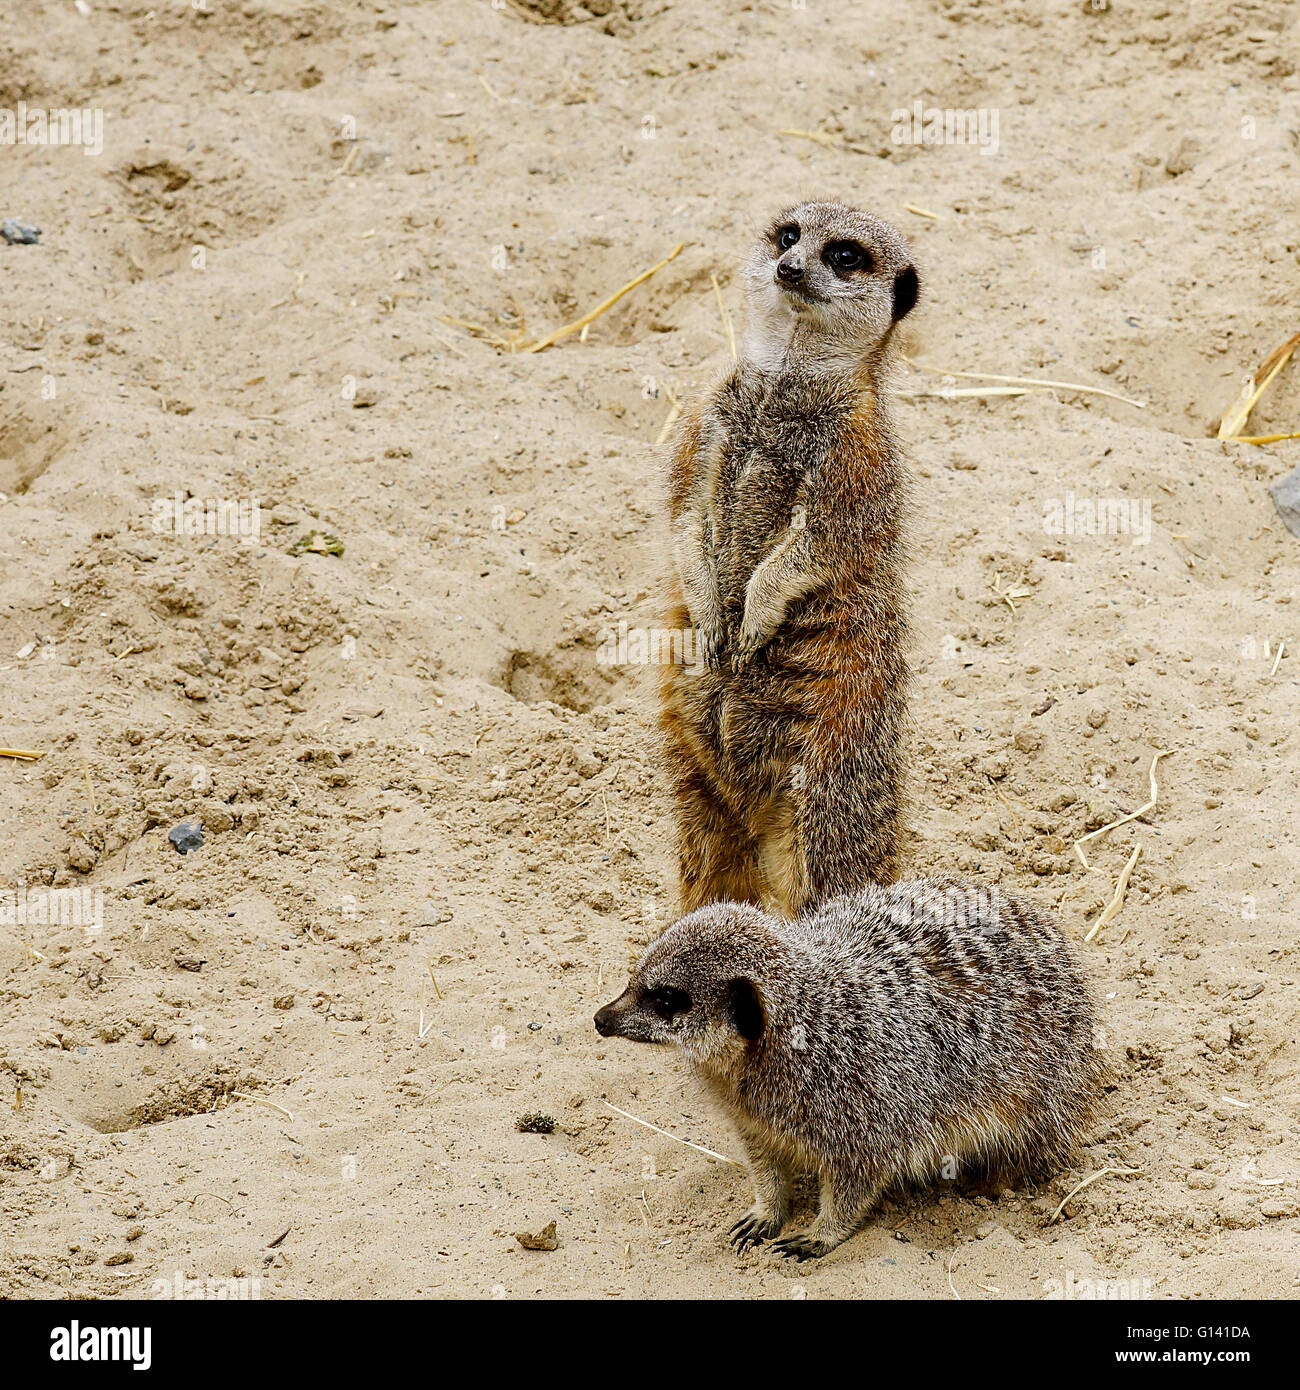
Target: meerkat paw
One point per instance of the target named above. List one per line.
(756, 1226)
(747, 647)
(711, 639)
(802, 1246)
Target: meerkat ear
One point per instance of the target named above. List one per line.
(906, 289)
(746, 1009)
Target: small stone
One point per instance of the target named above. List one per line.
(316, 543)
(585, 761)
(1097, 717)
(123, 1257)
(19, 233)
(186, 836)
(283, 1001)
(1183, 156)
(544, 1239)
(1285, 492)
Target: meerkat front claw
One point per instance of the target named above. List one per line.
(712, 640)
(801, 1248)
(745, 650)
(753, 1229)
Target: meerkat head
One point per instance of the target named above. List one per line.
(839, 277)
(699, 985)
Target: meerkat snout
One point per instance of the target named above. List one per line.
(644, 1013)
(629, 1018)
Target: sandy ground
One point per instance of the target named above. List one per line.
(408, 761)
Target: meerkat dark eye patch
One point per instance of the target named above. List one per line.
(787, 236)
(746, 1009)
(906, 289)
(667, 1002)
(846, 256)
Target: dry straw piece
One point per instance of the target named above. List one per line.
(724, 316)
(954, 392)
(579, 324)
(818, 137)
(510, 344)
(24, 754)
(262, 1100)
(699, 1148)
(1008, 596)
(1056, 1215)
(1111, 910)
(1235, 417)
(676, 403)
(1034, 381)
(1123, 820)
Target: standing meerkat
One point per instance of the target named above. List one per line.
(895, 1035)
(785, 501)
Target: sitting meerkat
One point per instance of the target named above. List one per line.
(899, 1034)
(785, 502)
